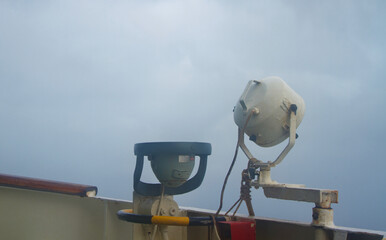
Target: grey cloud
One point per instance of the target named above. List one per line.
(81, 83)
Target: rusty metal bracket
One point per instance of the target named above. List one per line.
(321, 197)
(322, 213)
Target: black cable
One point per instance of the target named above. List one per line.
(226, 178)
(240, 135)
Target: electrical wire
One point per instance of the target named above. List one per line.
(155, 228)
(226, 179)
(240, 135)
(233, 162)
(215, 226)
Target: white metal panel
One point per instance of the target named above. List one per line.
(27, 214)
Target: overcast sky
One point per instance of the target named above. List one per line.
(82, 81)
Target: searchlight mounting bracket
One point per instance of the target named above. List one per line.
(322, 212)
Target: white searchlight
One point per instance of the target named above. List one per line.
(270, 100)
(269, 112)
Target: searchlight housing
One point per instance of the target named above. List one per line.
(269, 112)
(270, 99)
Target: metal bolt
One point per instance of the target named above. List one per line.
(172, 211)
(162, 212)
